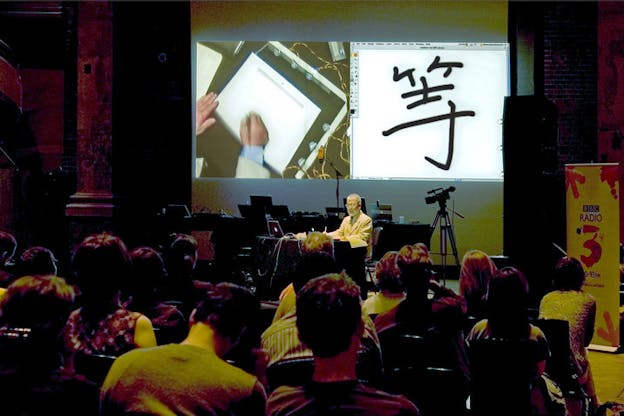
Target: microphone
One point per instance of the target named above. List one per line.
(320, 156)
(433, 191)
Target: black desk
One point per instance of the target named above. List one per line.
(276, 260)
(393, 236)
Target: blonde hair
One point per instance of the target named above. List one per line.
(414, 254)
(477, 269)
(317, 242)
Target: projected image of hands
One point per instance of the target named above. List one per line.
(272, 110)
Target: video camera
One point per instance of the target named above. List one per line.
(439, 195)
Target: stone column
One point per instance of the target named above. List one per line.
(92, 207)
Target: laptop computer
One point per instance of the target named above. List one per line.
(275, 229)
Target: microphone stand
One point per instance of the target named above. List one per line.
(338, 175)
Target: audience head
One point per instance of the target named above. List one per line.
(569, 274)
(147, 274)
(41, 306)
(37, 261)
(388, 274)
(180, 254)
(101, 264)
(477, 268)
(354, 204)
(329, 314)
(415, 263)
(507, 302)
(229, 310)
(317, 242)
(8, 245)
(37, 302)
(313, 265)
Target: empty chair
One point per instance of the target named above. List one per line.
(416, 365)
(501, 375)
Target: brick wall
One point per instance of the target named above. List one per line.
(570, 56)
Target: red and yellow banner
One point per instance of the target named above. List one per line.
(593, 237)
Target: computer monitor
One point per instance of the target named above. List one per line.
(264, 201)
(279, 211)
(335, 212)
(275, 229)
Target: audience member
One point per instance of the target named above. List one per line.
(191, 377)
(101, 325)
(357, 227)
(32, 378)
(330, 323)
(439, 317)
(281, 340)
(389, 285)
(180, 257)
(314, 242)
(37, 261)
(445, 309)
(8, 246)
(507, 318)
(143, 291)
(477, 268)
(570, 303)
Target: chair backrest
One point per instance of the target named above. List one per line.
(93, 366)
(412, 367)
(501, 374)
(294, 372)
(560, 365)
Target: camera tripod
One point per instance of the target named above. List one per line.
(446, 232)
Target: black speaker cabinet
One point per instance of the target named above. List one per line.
(534, 193)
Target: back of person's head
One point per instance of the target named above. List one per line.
(477, 268)
(101, 264)
(414, 261)
(8, 245)
(37, 302)
(569, 274)
(328, 314)
(34, 307)
(37, 260)
(229, 309)
(311, 265)
(507, 302)
(316, 242)
(388, 273)
(180, 254)
(147, 273)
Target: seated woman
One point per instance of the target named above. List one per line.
(507, 319)
(389, 285)
(477, 268)
(142, 293)
(102, 325)
(570, 303)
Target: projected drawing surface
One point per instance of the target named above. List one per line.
(291, 113)
(296, 88)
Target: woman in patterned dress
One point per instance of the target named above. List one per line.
(102, 325)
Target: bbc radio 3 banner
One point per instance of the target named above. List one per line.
(593, 228)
